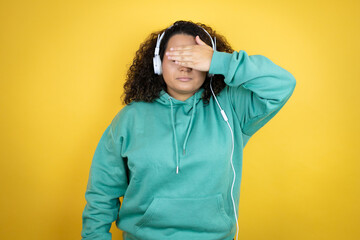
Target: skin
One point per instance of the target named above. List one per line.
(186, 61)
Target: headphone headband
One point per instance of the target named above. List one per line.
(157, 60)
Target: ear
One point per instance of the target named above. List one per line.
(199, 41)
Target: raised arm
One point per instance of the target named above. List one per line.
(257, 87)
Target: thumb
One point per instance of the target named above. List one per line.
(199, 41)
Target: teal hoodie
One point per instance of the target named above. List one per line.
(171, 159)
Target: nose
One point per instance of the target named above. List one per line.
(185, 69)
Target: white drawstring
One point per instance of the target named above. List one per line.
(176, 145)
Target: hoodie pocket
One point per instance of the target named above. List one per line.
(205, 214)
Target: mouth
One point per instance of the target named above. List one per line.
(184, 79)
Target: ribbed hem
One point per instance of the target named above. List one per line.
(127, 236)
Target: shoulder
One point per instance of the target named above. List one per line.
(126, 118)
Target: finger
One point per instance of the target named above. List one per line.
(182, 48)
(181, 58)
(185, 64)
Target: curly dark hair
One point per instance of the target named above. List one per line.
(142, 84)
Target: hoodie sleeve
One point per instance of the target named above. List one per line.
(257, 88)
(107, 183)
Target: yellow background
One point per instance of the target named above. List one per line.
(62, 69)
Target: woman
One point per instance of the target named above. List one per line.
(174, 152)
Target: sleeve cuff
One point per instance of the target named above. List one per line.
(220, 63)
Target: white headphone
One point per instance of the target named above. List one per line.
(157, 60)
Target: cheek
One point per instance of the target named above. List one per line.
(167, 70)
(201, 76)
(168, 67)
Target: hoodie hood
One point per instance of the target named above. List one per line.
(188, 105)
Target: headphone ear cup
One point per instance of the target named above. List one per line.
(157, 65)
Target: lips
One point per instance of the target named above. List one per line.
(184, 79)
